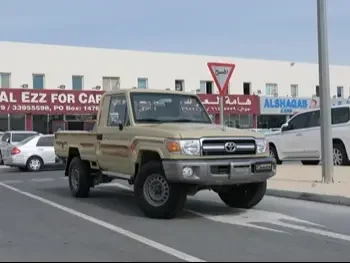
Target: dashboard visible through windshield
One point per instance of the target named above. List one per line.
(162, 107)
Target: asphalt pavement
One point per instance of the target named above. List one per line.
(40, 220)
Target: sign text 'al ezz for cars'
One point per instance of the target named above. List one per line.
(49, 101)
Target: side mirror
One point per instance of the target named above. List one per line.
(285, 127)
(120, 125)
(8, 140)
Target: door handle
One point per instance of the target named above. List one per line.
(40, 149)
(99, 137)
(298, 134)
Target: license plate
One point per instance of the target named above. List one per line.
(263, 167)
(240, 169)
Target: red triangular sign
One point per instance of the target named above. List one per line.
(221, 73)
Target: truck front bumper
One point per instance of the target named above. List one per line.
(219, 172)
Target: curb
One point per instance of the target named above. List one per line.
(328, 199)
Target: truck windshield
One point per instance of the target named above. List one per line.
(163, 107)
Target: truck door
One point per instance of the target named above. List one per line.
(113, 152)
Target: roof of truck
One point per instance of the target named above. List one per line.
(128, 91)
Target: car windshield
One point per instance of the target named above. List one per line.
(163, 107)
(17, 137)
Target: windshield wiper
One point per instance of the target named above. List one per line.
(188, 120)
(150, 120)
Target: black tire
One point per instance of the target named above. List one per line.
(244, 196)
(274, 154)
(34, 164)
(1, 161)
(310, 162)
(176, 193)
(342, 153)
(79, 178)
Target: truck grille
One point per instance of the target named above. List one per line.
(228, 146)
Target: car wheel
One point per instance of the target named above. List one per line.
(245, 195)
(79, 178)
(34, 164)
(339, 155)
(157, 197)
(274, 154)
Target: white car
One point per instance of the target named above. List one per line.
(300, 138)
(32, 154)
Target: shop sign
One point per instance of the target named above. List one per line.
(286, 105)
(233, 104)
(49, 101)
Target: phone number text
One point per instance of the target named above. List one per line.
(48, 108)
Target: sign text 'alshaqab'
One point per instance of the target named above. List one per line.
(49, 101)
(286, 105)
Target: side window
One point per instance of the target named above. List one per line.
(315, 119)
(5, 137)
(340, 115)
(45, 142)
(117, 111)
(300, 121)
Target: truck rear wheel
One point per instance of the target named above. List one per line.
(79, 178)
(156, 197)
(244, 196)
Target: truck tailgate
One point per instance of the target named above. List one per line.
(84, 141)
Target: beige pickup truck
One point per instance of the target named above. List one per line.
(165, 145)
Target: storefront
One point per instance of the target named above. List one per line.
(240, 111)
(275, 111)
(46, 111)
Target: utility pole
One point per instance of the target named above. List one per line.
(325, 96)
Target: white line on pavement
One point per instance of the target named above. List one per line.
(168, 250)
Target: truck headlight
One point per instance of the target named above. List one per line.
(262, 146)
(185, 147)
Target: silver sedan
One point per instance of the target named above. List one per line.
(32, 154)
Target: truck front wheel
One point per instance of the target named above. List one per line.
(79, 178)
(156, 197)
(244, 196)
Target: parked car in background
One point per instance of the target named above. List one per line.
(33, 153)
(300, 138)
(12, 138)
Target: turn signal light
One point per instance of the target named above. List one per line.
(173, 146)
(15, 151)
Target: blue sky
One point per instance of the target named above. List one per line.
(268, 29)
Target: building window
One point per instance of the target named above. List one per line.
(246, 88)
(179, 85)
(294, 90)
(340, 92)
(271, 89)
(110, 83)
(206, 87)
(142, 83)
(317, 91)
(77, 82)
(38, 81)
(5, 80)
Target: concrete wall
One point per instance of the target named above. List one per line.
(59, 63)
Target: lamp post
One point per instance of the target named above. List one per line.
(325, 100)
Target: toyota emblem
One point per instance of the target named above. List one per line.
(230, 147)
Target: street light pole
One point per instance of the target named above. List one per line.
(325, 96)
